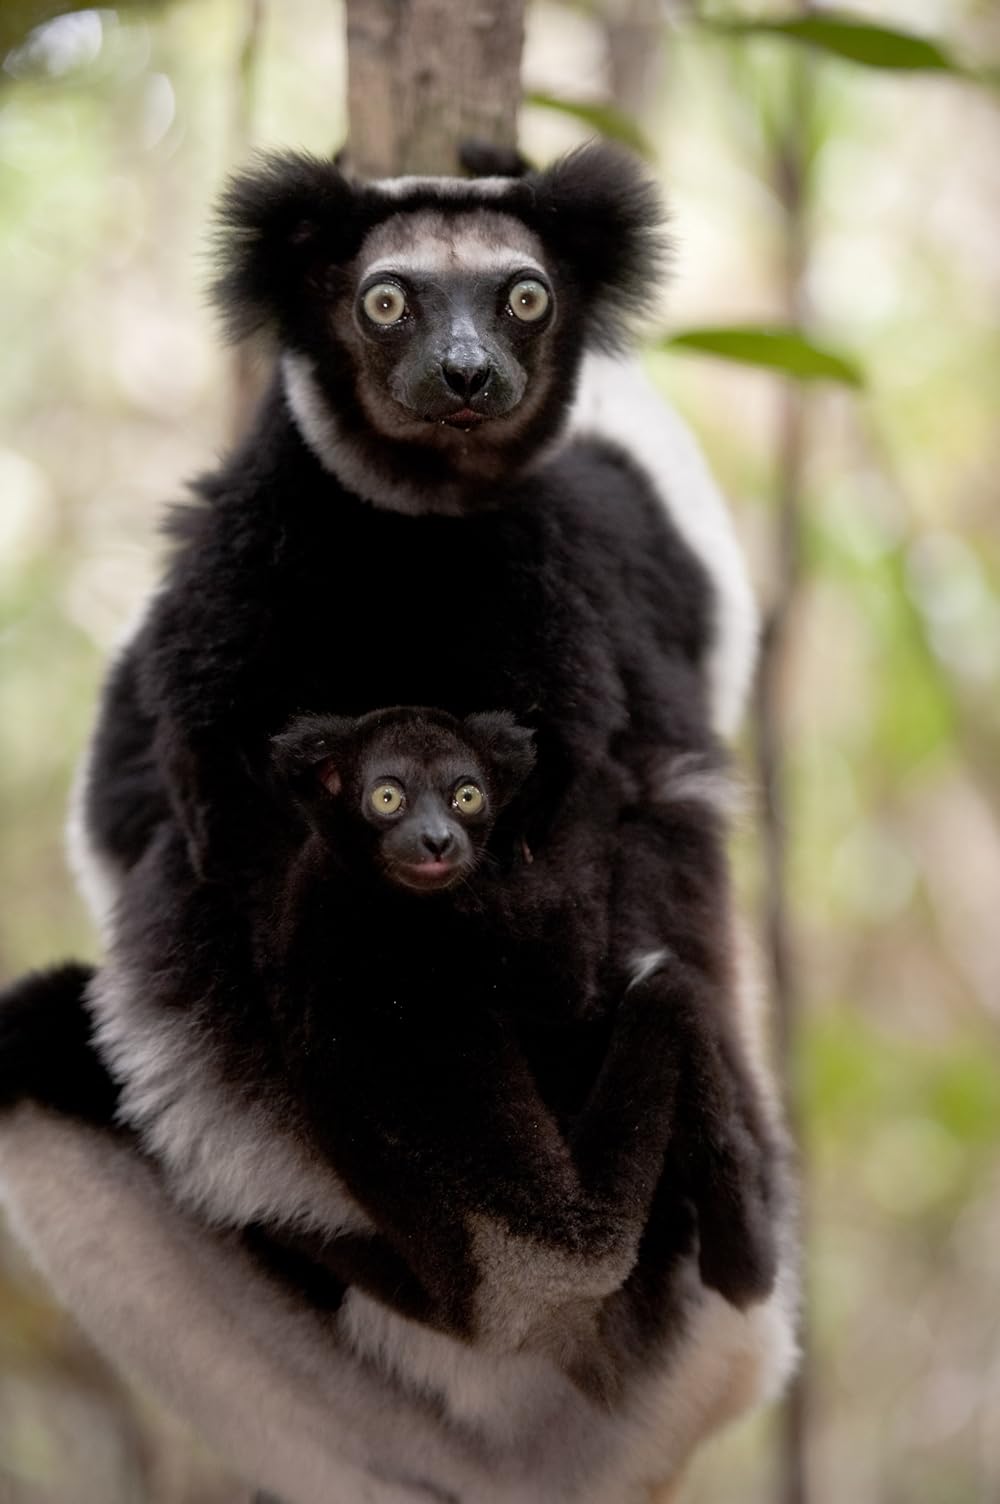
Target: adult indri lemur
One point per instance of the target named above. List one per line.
(458, 494)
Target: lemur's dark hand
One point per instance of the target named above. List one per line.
(46, 1051)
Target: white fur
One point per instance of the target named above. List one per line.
(342, 458)
(729, 1361)
(646, 964)
(97, 877)
(235, 1161)
(495, 1393)
(467, 253)
(312, 1411)
(686, 777)
(445, 187)
(618, 403)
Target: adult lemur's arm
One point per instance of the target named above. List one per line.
(46, 1052)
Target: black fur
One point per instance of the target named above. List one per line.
(46, 1052)
(600, 660)
(483, 159)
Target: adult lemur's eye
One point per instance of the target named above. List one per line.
(387, 798)
(528, 301)
(384, 303)
(468, 799)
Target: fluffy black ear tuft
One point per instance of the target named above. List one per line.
(508, 747)
(602, 216)
(281, 225)
(309, 742)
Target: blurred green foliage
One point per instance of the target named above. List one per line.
(115, 132)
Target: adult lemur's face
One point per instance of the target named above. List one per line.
(431, 329)
(450, 325)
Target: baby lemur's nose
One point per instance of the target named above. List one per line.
(437, 842)
(465, 378)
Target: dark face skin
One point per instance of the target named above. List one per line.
(411, 798)
(451, 349)
(430, 819)
(449, 326)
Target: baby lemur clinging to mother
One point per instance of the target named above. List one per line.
(486, 973)
(495, 999)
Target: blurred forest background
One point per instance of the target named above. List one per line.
(861, 204)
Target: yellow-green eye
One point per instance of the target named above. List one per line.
(387, 798)
(529, 300)
(468, 799)
(385, 303)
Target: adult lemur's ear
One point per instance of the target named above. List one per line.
(281, 225)
(508, 748)
(310, 750)
(601, 215)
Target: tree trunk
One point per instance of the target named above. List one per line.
(424, 75)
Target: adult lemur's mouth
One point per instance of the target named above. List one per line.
(466, 417)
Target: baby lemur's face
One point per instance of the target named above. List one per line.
(413, 794)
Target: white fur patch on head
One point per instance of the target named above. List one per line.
(616, 402)
(443, 187)
(431, 242)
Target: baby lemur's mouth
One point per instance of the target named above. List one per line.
(426, 876)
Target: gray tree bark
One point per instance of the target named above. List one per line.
(424, 75)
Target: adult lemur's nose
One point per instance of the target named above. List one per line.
(465, 378)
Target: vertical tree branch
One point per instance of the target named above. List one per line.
(634, 33)
(424, 75)
(790, 170)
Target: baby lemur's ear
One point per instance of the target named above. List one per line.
(313, 747)
(507, 748)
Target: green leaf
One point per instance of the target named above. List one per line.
(859, 41)
(778, 349)
(606, 119)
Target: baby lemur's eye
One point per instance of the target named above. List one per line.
(385, 303)
(468, 799)
(387, 797)
(529, 300)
